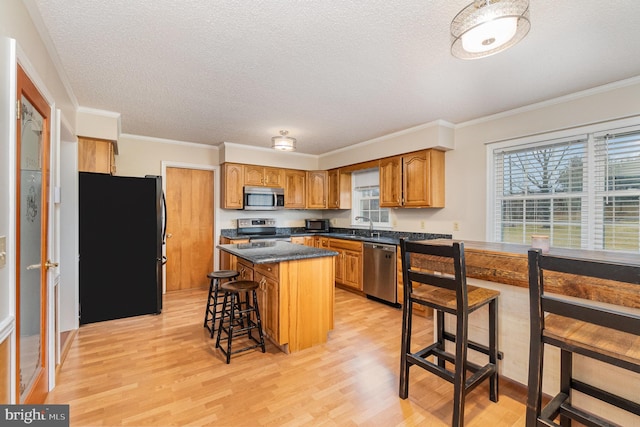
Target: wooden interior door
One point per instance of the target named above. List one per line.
(32, 213)
(190, 218)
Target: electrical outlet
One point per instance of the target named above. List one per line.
(456, 226)
(394, 223)
(421, 225)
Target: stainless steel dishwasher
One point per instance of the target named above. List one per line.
(379, 276)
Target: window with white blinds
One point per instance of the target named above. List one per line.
(582, 191)
(366, 198)
(617, 192)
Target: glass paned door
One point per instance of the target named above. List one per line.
(31, 268)
(32, 214)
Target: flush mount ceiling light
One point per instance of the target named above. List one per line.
(283, 142)
(486, 27)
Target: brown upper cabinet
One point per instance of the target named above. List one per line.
(263, 176)
(413, 180)
(317, 190)
(391, 181)
(96, 155)
(295, 189)
(232, 181)
(339, 189)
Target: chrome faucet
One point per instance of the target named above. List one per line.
(364, 218)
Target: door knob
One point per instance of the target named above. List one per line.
(50, 264)
(169, 235)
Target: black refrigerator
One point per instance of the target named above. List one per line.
(121, 234)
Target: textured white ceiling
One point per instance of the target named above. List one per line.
(332, 72)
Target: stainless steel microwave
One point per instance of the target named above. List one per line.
(263, 198)
(316, 225)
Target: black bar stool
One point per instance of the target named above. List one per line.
(240, 318)
(577, 326)
(447, 293)
(214, 300)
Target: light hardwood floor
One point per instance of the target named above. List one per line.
(164, 371)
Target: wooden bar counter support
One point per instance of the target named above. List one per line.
(504, 267)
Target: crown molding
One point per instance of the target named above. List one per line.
(168, 141)
(554, 101)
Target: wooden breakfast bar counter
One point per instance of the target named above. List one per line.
(507, 263)
(504, 267)
(296, 294)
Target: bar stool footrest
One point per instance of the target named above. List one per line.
(560, 405)
(473, 345)
(420, 358)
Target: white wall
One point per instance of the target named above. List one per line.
(466, 193)
(238, 153)
(140, 156)
(16, 23)
(465, 165)
(97, 124)
(7, 218)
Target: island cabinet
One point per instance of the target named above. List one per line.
(348, 263)
(295, 298)
(244, 267)
(232, 181)
(317, 190)
(413, 180)
(295, 191)
(96, 155)
(268, 276)
(263, 176)
(339, 189)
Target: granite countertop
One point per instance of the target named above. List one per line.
(269, 251)
(359, 235)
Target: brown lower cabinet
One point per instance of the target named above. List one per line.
(348, 262)
(268, 299)
(267, 276)
(418, 309)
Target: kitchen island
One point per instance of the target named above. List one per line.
(296, 293)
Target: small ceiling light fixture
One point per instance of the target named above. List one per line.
(283, 142)
(486, 27)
